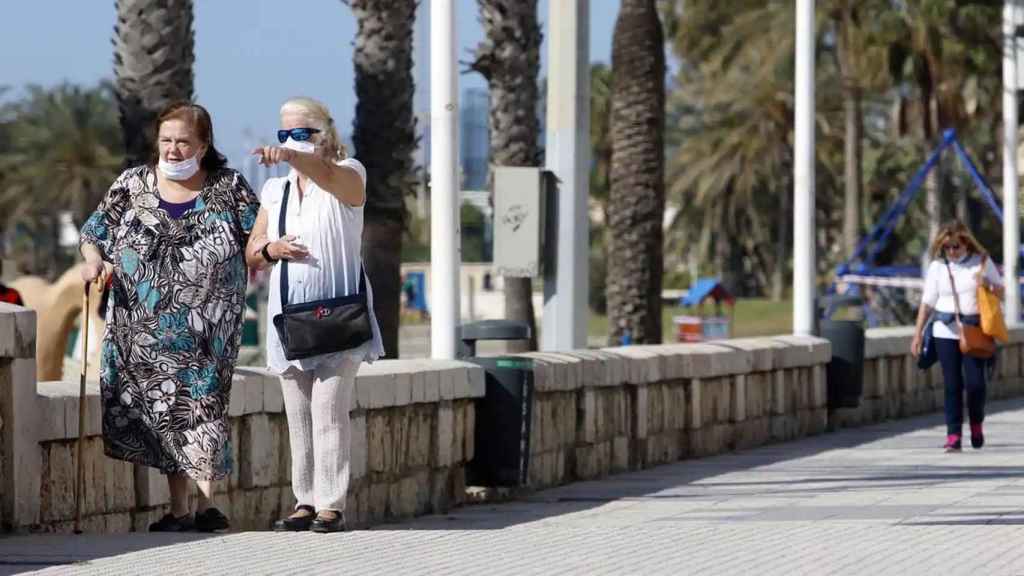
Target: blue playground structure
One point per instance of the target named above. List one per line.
(860, 269)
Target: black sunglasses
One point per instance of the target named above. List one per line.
(297, 134)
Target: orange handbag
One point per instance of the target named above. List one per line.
(973, 341)
(991, 311)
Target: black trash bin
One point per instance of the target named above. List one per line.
(502, 434)
(845, 372)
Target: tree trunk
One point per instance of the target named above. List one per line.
(637, 199)
(853, 134)
(384, 135)
(509, 59)
(781, 247)
(153, 55)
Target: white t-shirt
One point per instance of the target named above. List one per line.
(332, 231)
(938, 291)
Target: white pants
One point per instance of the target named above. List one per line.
(317, 403)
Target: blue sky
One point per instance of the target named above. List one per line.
(250, 56)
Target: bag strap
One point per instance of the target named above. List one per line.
(956, 297)
(281, 219)
(284, 263)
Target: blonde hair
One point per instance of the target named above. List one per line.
(955, 230)
(319, 117)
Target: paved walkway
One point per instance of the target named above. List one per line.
(878, 500)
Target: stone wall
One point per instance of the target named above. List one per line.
(412, 435)
(895, 388)
(604, 411)
(595, 412)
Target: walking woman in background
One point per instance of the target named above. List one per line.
(323, 197)
(957, 260)
(173, 234)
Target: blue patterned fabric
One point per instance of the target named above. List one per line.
(174, 327)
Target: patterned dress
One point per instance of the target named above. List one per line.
(174, 326)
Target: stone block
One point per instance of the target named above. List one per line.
(250, 384)
(819, 387)
(444, 435)
(236, 404)
(358, 448)
(286, 503)
(469, 435)
(458, 429)
(696, 403)
(620, 454)
(17, 332)
(403, 498)
(403, 389)
(150, 487)
(643, 365)
(431, 386)
(738, 398)
(50, 411)
(273, 400)
(58, 482)
(120, 523)
(257, 468)
(378, 439)
(802, 351)
(236, 443)
(762, 351)
(477, 382)
(889, 341)
(119, 485)
(640, 408)
(778, 404)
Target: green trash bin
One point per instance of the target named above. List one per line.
(845, 371)
(503, 415)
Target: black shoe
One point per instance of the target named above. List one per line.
(211, 520)
(329, 521)
(171, 523)
(295, 523)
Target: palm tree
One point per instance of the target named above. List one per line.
(862, 63)
(600, 172)
(637, 199)
(509, 59)
(384, 135)
(153, 55)
(63, 148)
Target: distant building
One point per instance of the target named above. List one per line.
(474, 138)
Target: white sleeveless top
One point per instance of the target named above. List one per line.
(333, 232)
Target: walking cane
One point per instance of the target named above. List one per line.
(80, 476)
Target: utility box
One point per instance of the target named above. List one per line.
(520, 212)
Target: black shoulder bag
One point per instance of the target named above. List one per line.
(322, 326)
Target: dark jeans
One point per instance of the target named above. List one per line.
(960, 373)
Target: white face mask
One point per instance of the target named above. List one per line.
(307, 146)
(180, 170)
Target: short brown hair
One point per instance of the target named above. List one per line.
(956, 229)
(197, 117)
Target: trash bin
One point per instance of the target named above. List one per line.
(845, 372)
(503, 415)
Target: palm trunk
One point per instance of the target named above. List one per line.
(153, 55)
(509, 59)
(853, 135)
(384, 135)
(637, 199)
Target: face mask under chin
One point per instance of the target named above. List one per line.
(182, 170)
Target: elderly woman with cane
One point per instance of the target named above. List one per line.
(310, 230)
(172, 233)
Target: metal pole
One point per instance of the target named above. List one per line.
(445, 251)
(568, 156)
(1011, 218)
(803, 173)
